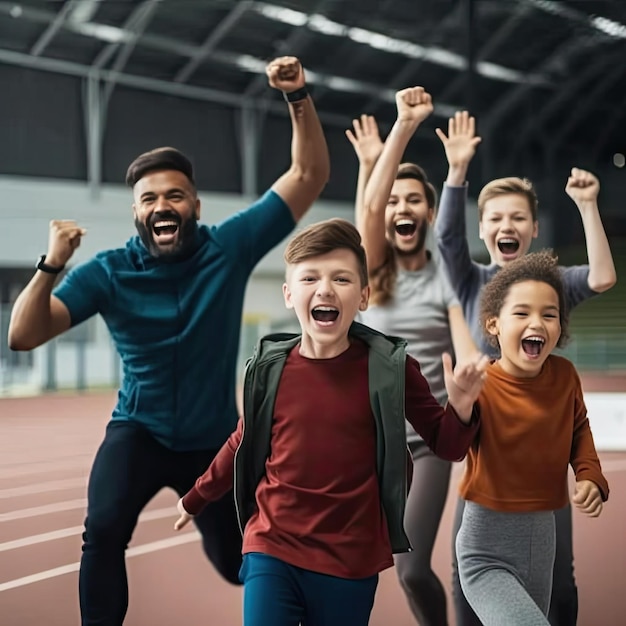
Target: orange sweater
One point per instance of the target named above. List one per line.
(530, 429)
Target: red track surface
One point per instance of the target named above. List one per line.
(46, 447)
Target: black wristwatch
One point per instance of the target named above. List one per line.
(297, 95)
(49, 269)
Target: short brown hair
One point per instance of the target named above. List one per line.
(539, 266)
(414, 171)
(503, 186)
(324, 237)
(159, 159)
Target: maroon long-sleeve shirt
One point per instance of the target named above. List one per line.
(319, 504)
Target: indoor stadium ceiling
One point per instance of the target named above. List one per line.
(527, 68)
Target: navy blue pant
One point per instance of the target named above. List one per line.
(129, 469)
(564, 600)
(278, 594)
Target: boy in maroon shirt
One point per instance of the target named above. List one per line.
(318, 462)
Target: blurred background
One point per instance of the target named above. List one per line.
(89, 84)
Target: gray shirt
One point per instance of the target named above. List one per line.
(468, 277)
(418, 312)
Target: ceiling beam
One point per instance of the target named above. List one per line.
(514, 96)
(581, 107)
(241, 62)
(53, 27)
(564, 96)
(409, 49)
(289, 47)
(143, 83)
(568, 13)
(411, 67)
(211, 42)
(573, 45)
(490, 46)
(136, 23)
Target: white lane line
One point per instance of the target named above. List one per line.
(45, 509)
(80, 463)
(43, 537)
(77, 530)
(73, 567)
(43, 487)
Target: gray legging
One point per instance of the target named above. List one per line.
(425, 504)
(564, 602)
(505, 564)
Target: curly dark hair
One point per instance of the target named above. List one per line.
(540, 266)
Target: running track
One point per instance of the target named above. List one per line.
(46, 447)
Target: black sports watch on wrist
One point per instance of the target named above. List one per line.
(297, 95)
(49, 269)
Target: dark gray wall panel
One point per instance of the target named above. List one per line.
(274, 150)
(275, 157)
(138, 121)
(42, 124)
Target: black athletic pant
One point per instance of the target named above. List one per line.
(129, 469)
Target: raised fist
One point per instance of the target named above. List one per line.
(414, 104)
(285, 74)
(65, 236)
(582, 186)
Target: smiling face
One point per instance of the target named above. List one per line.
(326, 293)
(528, 327)
(166, 211)
(408, 216)
(507, 227)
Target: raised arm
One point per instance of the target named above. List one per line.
(450, 230)
(303, 182)
(447, 432)
(37, 315)
(367, 144)
(460, 146)
(414, 106)
(464, 347)
(583, 188)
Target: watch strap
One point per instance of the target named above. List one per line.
(48, 269)
(297, 95)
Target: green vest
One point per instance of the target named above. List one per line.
(386, 367)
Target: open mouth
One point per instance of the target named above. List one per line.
(405, 227)
(325, 315)
(533, 346)
(165, 231)
(508, 245)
